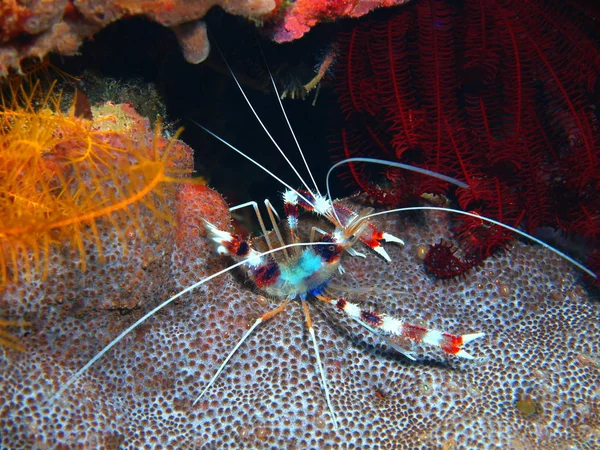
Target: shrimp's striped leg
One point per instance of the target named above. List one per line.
(263, 270)
(449, 343)
(311, 331)
(290, 208)
(261, 319)
(229, 243)
(370, 235)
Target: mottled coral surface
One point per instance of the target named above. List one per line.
(532, 385)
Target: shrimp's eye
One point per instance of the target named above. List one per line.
(329, 252)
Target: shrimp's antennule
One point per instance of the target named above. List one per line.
(265, 128)
(253, 161)
(289, 124)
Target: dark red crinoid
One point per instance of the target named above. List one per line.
(500, 94)
(441, 261)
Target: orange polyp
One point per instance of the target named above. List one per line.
(61, 175)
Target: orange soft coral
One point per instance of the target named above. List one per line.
(61, 174)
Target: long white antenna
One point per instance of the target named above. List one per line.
(495, 222)
(288, 122)
(216, 136)
(261, 122)
(437, 208)
(391, 164)
(116, 340)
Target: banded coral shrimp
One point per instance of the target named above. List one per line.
(383, 399)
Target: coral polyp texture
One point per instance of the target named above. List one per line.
(62, 174)
(532, 385)
(499, 94)
(38, 27)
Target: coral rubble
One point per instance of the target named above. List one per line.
(533, 384)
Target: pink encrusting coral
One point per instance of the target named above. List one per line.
(40, 27)
(294, 19)
(44, 26)
(533, 383)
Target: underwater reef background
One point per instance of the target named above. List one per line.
(533, 384)
(103, 199)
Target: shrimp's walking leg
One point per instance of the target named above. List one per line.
(449, 343)
(258, 216)
(261, 319)
(272, 213)
(311, 331)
